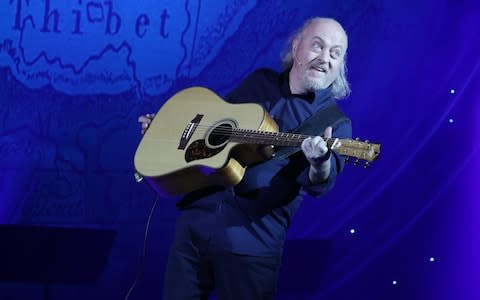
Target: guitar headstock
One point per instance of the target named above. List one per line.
(361, 150)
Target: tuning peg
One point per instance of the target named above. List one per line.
(356, 162)
(357, 139)
(367, 141)
(367, 164)
(346, 160)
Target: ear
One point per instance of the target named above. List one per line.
(295, 47)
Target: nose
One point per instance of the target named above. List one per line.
(324, 56)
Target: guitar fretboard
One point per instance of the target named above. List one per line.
(269, 138)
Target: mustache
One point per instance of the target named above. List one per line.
(318, 63)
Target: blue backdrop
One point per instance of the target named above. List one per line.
(76, 74)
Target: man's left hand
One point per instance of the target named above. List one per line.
(318, 155)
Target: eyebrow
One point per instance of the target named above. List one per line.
(334, 46)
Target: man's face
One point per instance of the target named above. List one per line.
(318, 54)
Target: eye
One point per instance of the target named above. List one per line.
(317, 45)
(335, 54)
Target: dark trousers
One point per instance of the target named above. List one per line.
(195, 267)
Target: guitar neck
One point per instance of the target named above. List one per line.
(351, 148)
(271, 138)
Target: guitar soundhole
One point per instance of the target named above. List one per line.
(220, 134)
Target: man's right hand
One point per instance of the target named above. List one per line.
(145, 120)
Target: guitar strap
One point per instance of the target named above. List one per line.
(314, 125)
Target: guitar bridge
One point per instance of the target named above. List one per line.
(188, 131)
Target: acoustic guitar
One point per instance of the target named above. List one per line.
(198, 140)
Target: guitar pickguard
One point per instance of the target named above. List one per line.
(199, 150)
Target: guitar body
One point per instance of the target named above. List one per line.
(188, 147)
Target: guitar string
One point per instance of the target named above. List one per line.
(260, 135)
(277, 138)
(267, 136)
(241, 131)
(237, 132)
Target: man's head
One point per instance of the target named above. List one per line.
(317, 58)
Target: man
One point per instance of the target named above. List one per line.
(232, 238)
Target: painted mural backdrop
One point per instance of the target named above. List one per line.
(76, 74)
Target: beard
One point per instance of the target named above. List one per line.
(312, 83)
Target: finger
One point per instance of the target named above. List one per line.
(143, 119)
(319, 145)
(317, 140)
(328, 132)
(307, 144)
(146, 118)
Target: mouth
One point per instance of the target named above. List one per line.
(319, 69)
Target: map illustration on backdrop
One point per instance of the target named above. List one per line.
(91, 46)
